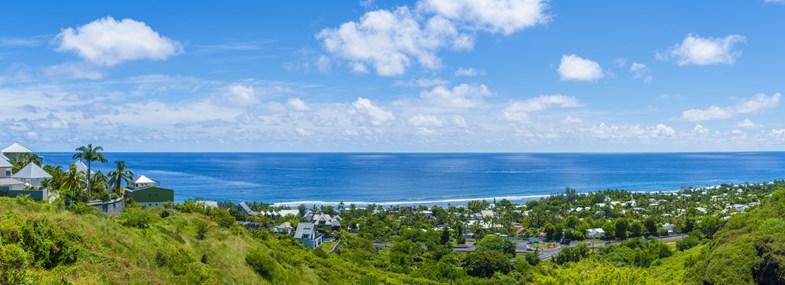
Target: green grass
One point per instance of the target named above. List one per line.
(168, 252)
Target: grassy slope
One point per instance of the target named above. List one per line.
(110, 253)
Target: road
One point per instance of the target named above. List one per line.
(520, 245)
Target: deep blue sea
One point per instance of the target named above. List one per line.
(410, 178)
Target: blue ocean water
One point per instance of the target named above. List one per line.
(432, 178)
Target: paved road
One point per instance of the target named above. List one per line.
(520, 245)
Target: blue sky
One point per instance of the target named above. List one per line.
(427, 75)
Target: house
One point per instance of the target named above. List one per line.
(307, 235)
(250, 225)
(486, 214)
(5, 168)
(147, 193)
(595, 233)
(284, 228)
(326, 220)
(81, 167)
(243, 208)
(668, 227)
(285, 213)
(10, 184)
(14, 151)
(31, 174)
(143, 182)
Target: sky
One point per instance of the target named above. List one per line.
(393, 76)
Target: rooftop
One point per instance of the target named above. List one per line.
(31, 171)
(16, 148)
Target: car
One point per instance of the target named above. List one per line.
(565, 241)
(608, 242)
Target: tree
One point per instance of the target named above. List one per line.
(302, 210)
(636, 229)
(445, 238)
(118, 175)
(651, 226)
(621, 226)
(497, 243)
(89, 154)
(23, 159)
(485, 263)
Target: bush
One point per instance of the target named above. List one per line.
(687, 243)
(80, 208)
(13, 265)
(261, 263)
(201, 230)
(497, 243)
(136, 218)
(485, 263)
(176, 259)
(532, 258)
(47, 244)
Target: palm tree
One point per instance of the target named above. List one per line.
(118, 175)
(89, 154)
(24, 159)
(73, 183)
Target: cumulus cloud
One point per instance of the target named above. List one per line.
(377, 115)
(466, 72)
(573, 67)
(298, 104)
(641, 71)
(519, 110)
(696, 50)
(700, 129)
(780, 133)
(242, 95)
(461, 96)
(495, 16)
(425, 121)
(109, 42)
(75, 70)
(390, 41)
(633, 131)
(755, 104)
(747, 124)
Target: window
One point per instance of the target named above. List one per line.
(8, 173)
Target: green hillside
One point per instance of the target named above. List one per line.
(45, 244)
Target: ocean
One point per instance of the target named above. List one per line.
(432, 178)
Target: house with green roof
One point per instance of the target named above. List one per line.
(148, 193)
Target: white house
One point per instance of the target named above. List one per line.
(81, 167)
(595, 233)
(5, 168)
(326, 220)
(32, 174)
(668, 227)
(14, 150)
(142, 182)
(9, 184)
(307, 235)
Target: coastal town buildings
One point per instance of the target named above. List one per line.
(307, 235)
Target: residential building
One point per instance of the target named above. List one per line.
(595, 233)
(147, 193)
(32, 175)
(14, 151)
(307, 235)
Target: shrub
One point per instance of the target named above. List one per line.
(47, 244)
(13, 265)
(201, 230)
(687, 243)
(80, 208)
(320, 252)
(237, 229)
(222, 218)
(136, 218)
(176, 259)
(164, 214)
(532, 258)
(261, 263)
(485, 263)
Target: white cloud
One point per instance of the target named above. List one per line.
(641, 71)
(75, 70)
(634, 131)
(695, 50)
(242, 95)
(391, 40)
(747, 124)
(422, 82)
(700, 129)
(377, 115)
(780, 133)
(425, 121)
(519, 110)
(468, 72)
(571, 120)
(461, 96)
(757, 103)
(573, 67)
(298, 104)
(110, 42)
(495, 16)
(774, 1)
